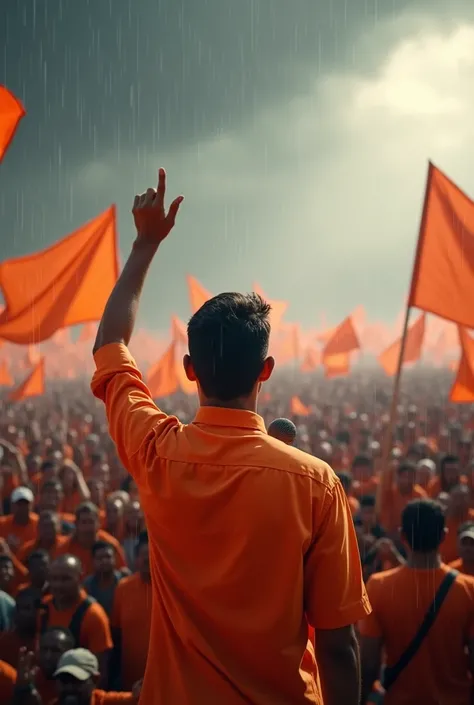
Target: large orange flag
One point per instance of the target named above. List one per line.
(198, 295)
(32, 386)
(298, 408)
(413, 347)
(337, 365)
(6, 380)
(462, 390)
(66, 284)
(11, 112)
(343, 339)
(162, 378)
(443, 276)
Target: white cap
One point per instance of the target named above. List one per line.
(427, 463)
(467, 533)
(22, 493)
(78, 663)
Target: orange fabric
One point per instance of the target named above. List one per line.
(366, 487)
(11, 112)
(462, 390)
(388, 359)
(286, 346)
(179, 333)
(443, 281)
(163, 378)
(30, 546)
(7, 682)
(131, 614)
(85, 555)
(354, 504)
(434, 486)
(298, 408)
(235, 580)
(95, 629)
(198, 295)
(68, 283)
(17, 535)
(439, 672)
(32, 386)
(460, 566)
(393, 503)
(336, 365)
(101, 697)
(311, 360)
(21, 574)
(343, 339)
(6, 380)
(449, 548)
(70, 502)
(278, 308)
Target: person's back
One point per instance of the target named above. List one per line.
(440, 670)
(249, 539)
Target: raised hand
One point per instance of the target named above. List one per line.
(27, 670)
(152, 222)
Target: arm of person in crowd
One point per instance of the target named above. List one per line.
(25, 692)
(335, 597)
(130, 409)
(81, 483)
(17, 461)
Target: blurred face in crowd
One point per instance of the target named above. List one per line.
(97, 490)
(74, 692)
(65, 580)
(21, 511)
(53, 644)
(38, 569)
(51, 496)
(466, 548)
(451, 472)
(114, 511)
(68, 479)
(368, 517)
(7, 573)
(424, 473)
(48, 528)
(87, 525)
(134, 518)
(459, 501)
(104, 561)
(26, 612)
(405, 480)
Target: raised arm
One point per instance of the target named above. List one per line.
(153, 225)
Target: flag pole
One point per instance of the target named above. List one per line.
(387, 440)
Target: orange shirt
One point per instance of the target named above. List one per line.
(95, 629)
(249, 539)
(461, 567)
(354, 504)
(71, 502)
(85, 555)
(449, 548)
(100, 697)
(7, 682)
(365, 487)
(17, 535)
(434, 486)
(30, 546)
(132, 615)
(393, 504)
(439, 673)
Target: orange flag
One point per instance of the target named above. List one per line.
(178, 331)
(343, 339)
(298, 408)
(462, 390)
(311, 360)
(88, 332)
(32, 386)
(6, 380)
(278, 308)
(198, 295)
(11, 112)
(162, 378)
(443, 276)
(286, 344)
(32, 356)
(64, 285)
(336, 365)
(413, 347)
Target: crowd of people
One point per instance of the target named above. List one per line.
(74, 569)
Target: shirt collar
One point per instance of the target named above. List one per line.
(235, 418)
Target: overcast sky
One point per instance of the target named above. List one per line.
(298, 130)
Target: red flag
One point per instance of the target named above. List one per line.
(66, 284)
(11, 112)
(343, 340)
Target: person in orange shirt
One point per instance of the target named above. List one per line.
(346, 482)
(19, 526)
(113, 522)
(425, 473)
(449, 476)
(251, 540)
(71, 608)
(48, 537)
(465, 562)
(395, 495)
(51, 498)
(85, 536)
(53, 643)
(364, 479)
(38, 572)
(74, 487)
(441, 669)
(458, 512)
(131, 619)
(7, 682)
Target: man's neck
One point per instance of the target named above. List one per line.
(105, 579)
(424, 561)
(21, 522)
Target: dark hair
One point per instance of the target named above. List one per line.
(362, 461)
(367, 500)
(38, 553)
(60, 631)
(52, 482)
(101, 545)
(345, 479)
(448, 459)
(406, 466)
(48, 465)
(5, 558)
(142, 541)
(423, 525)
(86, 508)
(228, 343)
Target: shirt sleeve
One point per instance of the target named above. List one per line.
(95, 630)
(370, 625)
(132, 415)
(335, 595)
